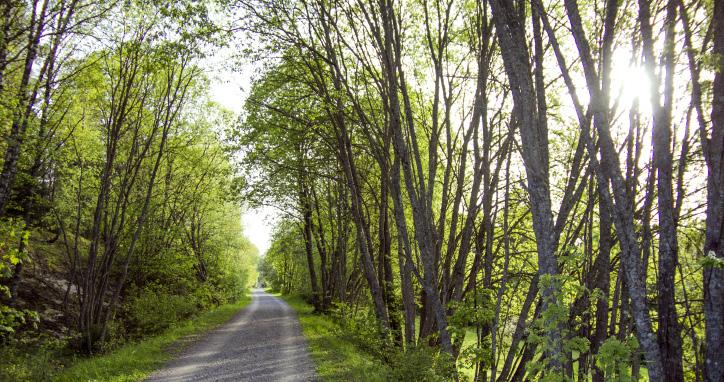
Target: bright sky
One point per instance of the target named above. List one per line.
(258, 224)
(230, 85)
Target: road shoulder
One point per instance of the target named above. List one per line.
(136, 361)
(336, 358)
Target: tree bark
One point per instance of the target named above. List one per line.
(305, 202)
(603, 269)
(529, 110)
(714, 241)
(669, 332)
(608, 170)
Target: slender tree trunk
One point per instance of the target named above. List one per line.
(385, 258)
(603, 270)
(669, 332)
(530, 113)
(420, 200)
(26, 97)
(608, 170)
(714, 241)
(305, 202)
(404, 252)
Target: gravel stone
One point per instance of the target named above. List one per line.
(263, 342)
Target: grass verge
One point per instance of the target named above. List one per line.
(336, 358)
(136, 361)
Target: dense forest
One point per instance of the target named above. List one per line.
(529, 189)
(491, 190)
(117, 216)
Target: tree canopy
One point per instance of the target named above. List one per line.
(488, 190)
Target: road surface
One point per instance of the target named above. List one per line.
(263, 342)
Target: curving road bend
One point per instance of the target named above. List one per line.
(263, 342)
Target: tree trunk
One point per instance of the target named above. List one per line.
(603, 270)
(530, 113)
(608, 170)
(714, 242)
(305, 203)
(669, 332)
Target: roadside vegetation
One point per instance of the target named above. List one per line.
(494, 189)
(510, 190)
(337, 356)
(343, 352)
(137, 360)
(119, 227)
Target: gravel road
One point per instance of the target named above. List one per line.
(263, 342)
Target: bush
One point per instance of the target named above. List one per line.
(422, 363)
(12, 234)
(154, 310)
(361, 328)
(30, 358)
(419, 363)
(614, 359)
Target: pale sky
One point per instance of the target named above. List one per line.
(258, 224)
(230, 85)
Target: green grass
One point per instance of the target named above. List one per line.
(136, 361)
(336, 358)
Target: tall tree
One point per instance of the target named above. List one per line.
(713, 147)
(530, 113)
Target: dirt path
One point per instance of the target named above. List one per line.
(263, 342)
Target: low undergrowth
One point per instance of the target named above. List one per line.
(337, 358)
(47, 359)
(348, 349)
(135, 361)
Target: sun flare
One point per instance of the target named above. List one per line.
(630, 83)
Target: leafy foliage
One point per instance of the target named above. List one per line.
(115, 160)
(613, 358)
(13, 237)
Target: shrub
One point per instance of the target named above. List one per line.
(419, 363)
(422, 363)
(30, 358)
(361, 328)
(614, 358)
(12, 233)
(154, 310)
